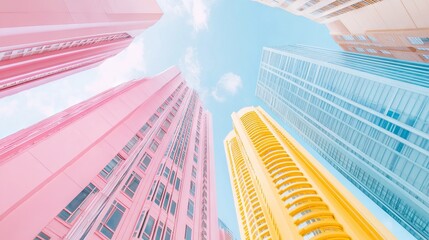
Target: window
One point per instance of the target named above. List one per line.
(159, 193)
(425, 56)
(166, 172)
(167, 234)
(131, 185)
(418, 40)
(192, 189)
(144, 162)
(195, 159)
(196, 149)
(69, 213)
(153, 118)
(348, 37)
(160, 110)
(154, 146)
(159, 231)
(138, 225)
(108, 169)
(145, 128)
(166, 124)
(371, 50)
(177, 184)
(131, 144)
(166, 201)
(173, 208)
(361, 37)
(148, 229)
(194, 172)
(160, 134)
(42, 236)
(111, 221)
(188, 233)
(190, 208)
(359, 49)
(172, 177)
(386, 52)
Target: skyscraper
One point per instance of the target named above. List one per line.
(282, 192)
(224, 232)
(367, 116)
(133, 162)
(388, 28)
(46, 40)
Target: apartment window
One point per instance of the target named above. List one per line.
(131, 185)
(166, 124)
(188, 233)
(195, 159)
(148, 228)
(144, 162)
(69, 213)
(110, 167)
(159, 193)
(154, 146)
(173, 174)
(359, 49)
(131, 144)
(418, 40)
(166, 201)
(153, 118)
(361, 37)
(167, 234)
(423, 49)
(160, 134)
(173, 208)
(111, 221)
(170, 116)
(159, 230)
(190, 211)
(42, 236)
(373, 39)
(386, 52)
(192, 189)
(194, 172)
(177, 184)
(196, 149)
(138, 225)
(166, 172)
(145, 128)
(425, 56)
(348, 37)
(160, 110)
(371, 50)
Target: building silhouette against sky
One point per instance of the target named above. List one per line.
(282, 192)
(47, 40)
(388, 28)
(133, 162)
(224, 232)
(367, 116)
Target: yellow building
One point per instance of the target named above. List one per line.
(282, 192)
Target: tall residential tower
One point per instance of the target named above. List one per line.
(388, 28)
(135, 162)
(282, 192)
(367, 116)
(45, 40)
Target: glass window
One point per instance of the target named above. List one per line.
(159, 231)
(69, 213)
(153, 118)
(386, 52)
(167, 234)
(194, 172)
(173, 208)
(42, 236)
(166, 124)
(371, 50)
(166, 201)
(161, 134)
(154, 146)
(145, 128)
(159, 193)
(145, 161)
(418, 40)
(188, 233)
(131, 143)
(149, 228)
(108, 169)
(190, 208)
(195, 159)
(138, 225)
(177, 184)
(111, 221)
(131, 185)
(173, 174)
(166, 172)
(192, 189)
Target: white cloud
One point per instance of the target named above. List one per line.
(127, 65)
(191, 68)
(197, 11)
(229, 84)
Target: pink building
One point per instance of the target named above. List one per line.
(224, 232)
(134, 162)
(41, 41)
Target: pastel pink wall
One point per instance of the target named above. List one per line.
(40, 40)
(51, 162)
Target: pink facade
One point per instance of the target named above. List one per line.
(224, 232)
(42, 41)
(134, 162)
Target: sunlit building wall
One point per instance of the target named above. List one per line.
(45, 40)
(388, 28)
(224, 232)
(282, 192)
(367, 116)
(134, 162)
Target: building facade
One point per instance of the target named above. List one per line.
(389, 28)
(224, 232)
(51, 39)
(367, 116)
(134, 162)
(282, 192)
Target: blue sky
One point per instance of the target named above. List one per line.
(217, 44)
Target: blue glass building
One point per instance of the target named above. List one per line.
(367, 116)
